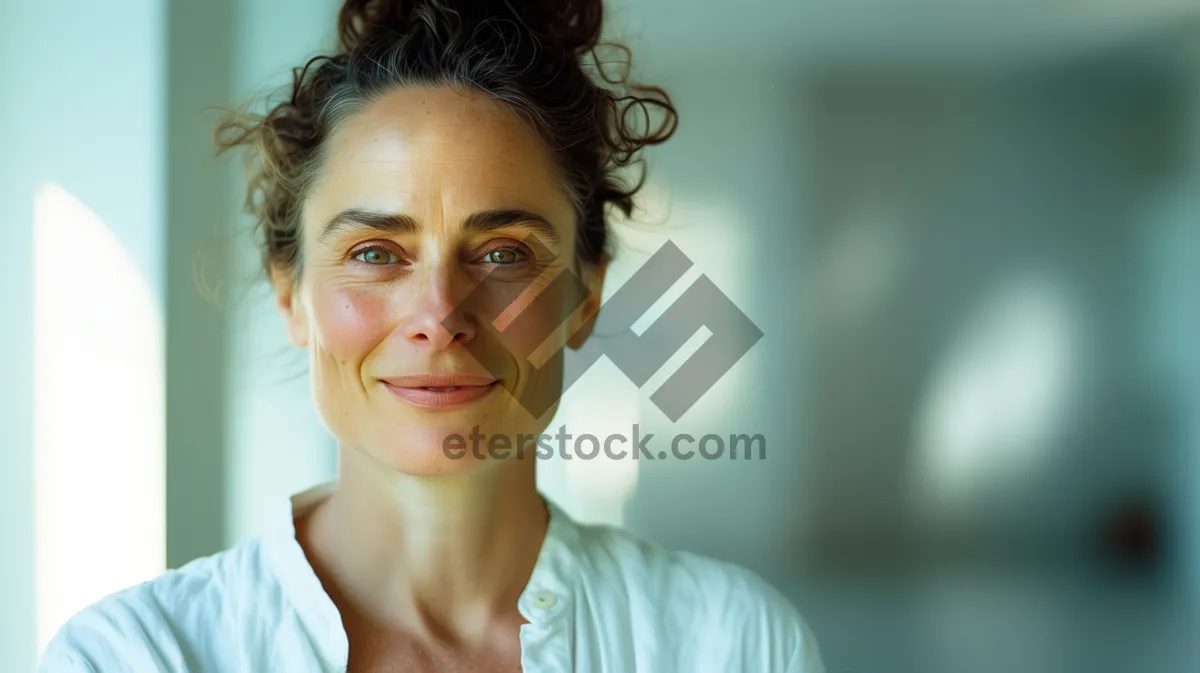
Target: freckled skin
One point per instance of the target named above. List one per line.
(435, 155)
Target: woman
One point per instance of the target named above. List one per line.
(417, 194)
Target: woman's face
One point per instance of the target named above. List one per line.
(426, 197)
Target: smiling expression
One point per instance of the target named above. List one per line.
(425, 195)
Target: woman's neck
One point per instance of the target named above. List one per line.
(429, 554)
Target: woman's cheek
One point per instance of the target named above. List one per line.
(528, 318)
(350, 322)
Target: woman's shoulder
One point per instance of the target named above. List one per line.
(154, 625)
(701, 593)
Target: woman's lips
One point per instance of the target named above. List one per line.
(433, 391)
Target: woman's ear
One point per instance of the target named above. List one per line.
(287, 300)
(584, 319)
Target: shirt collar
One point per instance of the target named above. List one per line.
(543, 603)
(315, 611)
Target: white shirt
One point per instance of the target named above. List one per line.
(599, 599)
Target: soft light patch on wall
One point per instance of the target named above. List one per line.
(713, 236)
(99, 414)
(998, 395)
(593, 488)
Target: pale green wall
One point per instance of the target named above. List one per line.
(83, 107)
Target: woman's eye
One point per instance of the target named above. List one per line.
(503, 256)
(377, 256)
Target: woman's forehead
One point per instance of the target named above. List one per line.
(419, 149)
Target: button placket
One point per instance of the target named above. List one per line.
(544, 600)
(545, 647)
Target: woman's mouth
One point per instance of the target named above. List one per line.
(439, 391)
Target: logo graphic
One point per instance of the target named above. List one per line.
(638, 357)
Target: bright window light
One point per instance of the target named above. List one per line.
(99, 414)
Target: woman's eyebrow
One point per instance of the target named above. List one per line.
(479, 221)
(488, 220)
(355, 218)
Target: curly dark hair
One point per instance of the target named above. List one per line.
(532, 55)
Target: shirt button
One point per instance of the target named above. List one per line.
(544, 600)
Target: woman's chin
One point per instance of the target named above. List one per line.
(432, 466)
(440, 452)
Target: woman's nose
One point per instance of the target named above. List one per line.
(432, 320)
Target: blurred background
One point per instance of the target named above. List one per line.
(970, 232)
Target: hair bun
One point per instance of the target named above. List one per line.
(541, 58)
(362, 20)
(575, 25)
